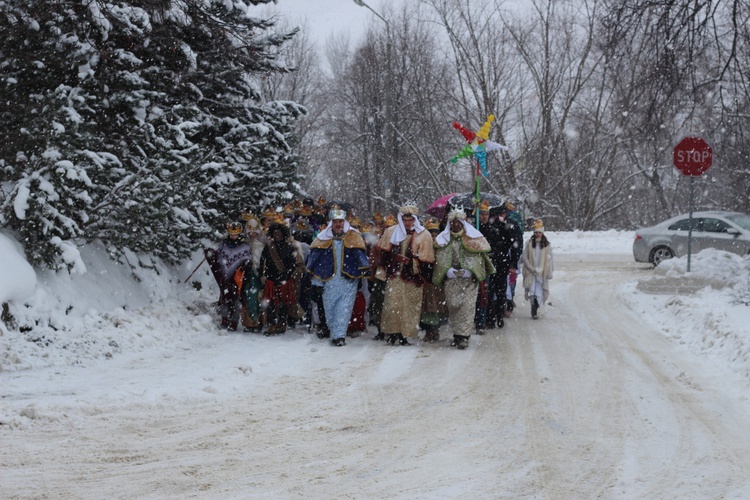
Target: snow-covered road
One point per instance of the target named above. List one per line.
(590, 401)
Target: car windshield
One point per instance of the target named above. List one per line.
(741, 220)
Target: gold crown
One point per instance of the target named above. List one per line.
(538, 226)
(305, 211)
(377, 218)
(234, 228)
(484, 206)
(247, 215)
(389, 221)
(321, 201)
(288, 210)
(268, 213)
(355, 222)
(367, 228)
(432, 224)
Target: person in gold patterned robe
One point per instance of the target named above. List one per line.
(408, 258)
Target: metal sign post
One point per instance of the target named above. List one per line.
(692, 156)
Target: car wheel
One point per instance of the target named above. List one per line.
(659, 254)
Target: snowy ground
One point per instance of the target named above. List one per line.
(634, 383)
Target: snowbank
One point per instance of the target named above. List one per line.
(17, 277)
(62, 319)
(711, 314)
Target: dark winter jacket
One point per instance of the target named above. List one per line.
(516, 242)
(278, 261)
(500, 240)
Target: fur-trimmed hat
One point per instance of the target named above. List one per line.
(538, 226)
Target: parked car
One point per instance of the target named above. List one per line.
(729, 231)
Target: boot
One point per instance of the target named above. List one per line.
(379, 336)
(324, 332)
(392, 338)
(431, 334)
(460, 341)
(534, 308)
(402, 340)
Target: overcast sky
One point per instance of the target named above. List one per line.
(326, 17)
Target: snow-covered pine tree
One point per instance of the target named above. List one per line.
(140, 123)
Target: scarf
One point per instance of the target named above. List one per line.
(327, 234)
(399, 234)
(444, 238)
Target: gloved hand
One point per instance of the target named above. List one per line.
(465, 273)
(451, 273)
(538, 271)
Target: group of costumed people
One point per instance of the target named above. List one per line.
(317, 264)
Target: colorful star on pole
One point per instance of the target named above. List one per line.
(479, 144)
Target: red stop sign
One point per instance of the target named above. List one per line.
(692, 156)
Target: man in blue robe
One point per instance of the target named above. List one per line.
(338, 259)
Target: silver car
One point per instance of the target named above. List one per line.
(729, 231)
